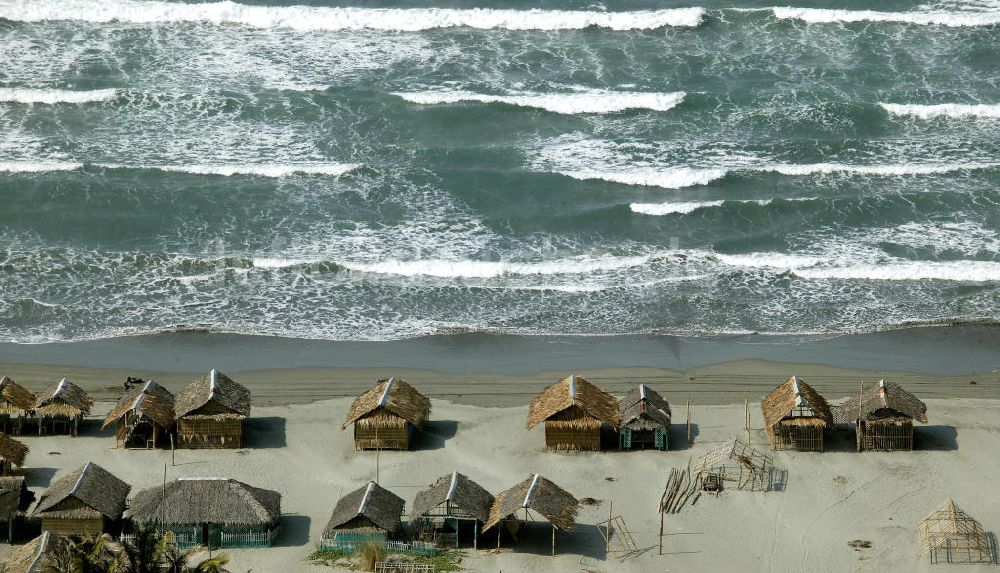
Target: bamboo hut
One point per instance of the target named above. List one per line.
(145, 416)
(540, 495)
(573, 411)
(369, 514)
(12, 454)
(62, 408)
(386, 417)
(795, 417)
(37, 555)
(440, 510)
(211, 411)
(15, 499)
(16, 404)
(883, 417)
(87, 500)
(216, 512)
(645, 420)
(951, 533)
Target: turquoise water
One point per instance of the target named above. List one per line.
(386, 170)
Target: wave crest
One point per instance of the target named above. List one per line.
(53, 96)
(590, 101)
(922, 18)
(952, 110)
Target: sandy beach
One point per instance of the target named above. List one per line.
(295, 445)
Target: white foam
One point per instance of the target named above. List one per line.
(37, 166)
(670, 208)
(667, 178)
(590, 101)
(923, 18)
(48, 96)
(276, 263)
(259, 169)
(306, 18)
(490, 269)
(964, 271)
(895, 169)
(953, 110)
(770, 260)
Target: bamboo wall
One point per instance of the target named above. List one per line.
(560, 437)
(73, 526)
(798, 437)
(385, 437)
(885, 435)
(199, 433)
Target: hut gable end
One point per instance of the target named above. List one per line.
(214, 394)
(794, 395)
(572, 398)
(151, 399)
(390, 397)
(457, 490)
(373, 503)
(89, 487)
(14, 398)
(541, 495)
(63, 399)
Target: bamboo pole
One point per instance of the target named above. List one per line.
(607, 541)
(857, 422)
(689, 420)
(746, 418)
(661, 531)
(553, 540)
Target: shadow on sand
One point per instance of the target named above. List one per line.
(294, 531)
(679, 437)
(435, 434)
(265, 433)
(39, 477)
(536, 538)
(935, 438)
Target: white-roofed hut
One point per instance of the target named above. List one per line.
(442, 508)
(537, 494)
(796, 417)
(387, 416)
(645, 420)
(211, 412)
(144, 415)
(88, 500)
(16, 405)
(369, 514)
(573, 411)
(883, 417)
(62, 407)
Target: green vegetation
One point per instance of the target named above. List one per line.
(445, 561)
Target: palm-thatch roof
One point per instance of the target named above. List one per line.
(213, 395)
(15, 400)
(643, 408)
(457, 490)
(12, 450)
(206, 500)
(370, 505)
(63, 399)
(87, 492)
(881, 400)
(35, 555)
(152, 400)
(15, 496)
(794, 395)
(393, 396)
(574, 391)
(537, 493)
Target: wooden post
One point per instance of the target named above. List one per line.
(553, 540)
(746, 418)
(607, 544)
(857, 422)
(661, 531)
(475, 534)
(173, 455)
(689, 421)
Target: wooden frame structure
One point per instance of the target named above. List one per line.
(883, 417)
(87, 500)
(574, 411)
(538, 494)
(951, 533)
(796, 417)
(735, 463)
(369, 514)
(645, 420)
(387, 416)
(62, 406)
(440, 509)
(16, 405)
(211, 411)
(145, 417)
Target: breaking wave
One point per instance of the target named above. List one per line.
(953, 110)
(590, 101)
(923, 18)
(51, 96)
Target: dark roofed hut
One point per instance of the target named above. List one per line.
(16, 404)
(883, 416)
(539, 494)
(645, 420)
(37, 555)
(795, 417)
(15, 499)
(216, 512)
(63, 406)
(447, 503)
(87, 500)
(386, 416)
(12, 454)
(145, 416)
(574, 411)
(369, 514)
(210, 412)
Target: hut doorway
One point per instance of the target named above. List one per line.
(138, 432)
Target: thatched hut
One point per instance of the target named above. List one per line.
(953, 534)
(216, 512)
(87, 500)
(795, 417)
(574, 411)
(540, 495)
(211, 411)
(386, 417)
(62, 408)
(883, 417)
(16, 404)
(645, 420)
(12, 454)
(15, 499)
(440, 510)
(145, 416)
(369, 514)
(36, 555)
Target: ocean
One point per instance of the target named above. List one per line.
(394, 169)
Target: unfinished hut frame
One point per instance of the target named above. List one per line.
(16, 405)
(950, 534)
(211, 412)
(214, 512)
(88, 500)
(370, 514)
(61, 408)
(796, 417)
(883, 417)
(387, 416)
(573, 411)
(537, 494)
(735, 463)
(440, 510)
(645, 420)
(144, 417)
